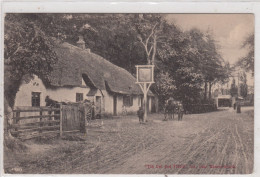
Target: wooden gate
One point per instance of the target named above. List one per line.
(30, 122)
(73, 118)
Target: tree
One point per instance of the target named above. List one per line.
(177, 58)
(185, 61)
(150, 28)
(247, 62)
(27, 51)
(243, 86)
(209, 61)
(233, 89)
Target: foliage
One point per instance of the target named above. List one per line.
(233, 89)
(247, 62)
(184, 61)
(27, 50)
(243, 86)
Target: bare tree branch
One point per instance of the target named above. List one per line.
(147, 41)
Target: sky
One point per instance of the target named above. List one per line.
(229, 30)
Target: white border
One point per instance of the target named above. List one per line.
(143, 7)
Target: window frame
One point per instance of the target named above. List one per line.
(127, 100)
(36, 99)
(79, 97)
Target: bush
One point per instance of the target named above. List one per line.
(199, 108)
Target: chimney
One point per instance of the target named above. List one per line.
(81, 42)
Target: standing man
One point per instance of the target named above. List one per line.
(140, 114)
(180, 111)
(238, 107)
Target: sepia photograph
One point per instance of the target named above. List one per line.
(128, 93)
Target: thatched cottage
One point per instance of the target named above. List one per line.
(80, 74)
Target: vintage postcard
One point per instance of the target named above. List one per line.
(128, 93)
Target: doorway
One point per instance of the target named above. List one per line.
(98, 105)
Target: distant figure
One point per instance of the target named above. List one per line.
(140, 114)
(235, 105)
(238, 107)
(180, 111)
(169, 108)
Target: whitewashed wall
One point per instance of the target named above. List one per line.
(24, 95)
(129, 109)
(135, 106)
(67, 94)
(108, 102)
(150, 104)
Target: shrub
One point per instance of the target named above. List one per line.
(199, 108)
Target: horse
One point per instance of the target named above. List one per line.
(171, 107)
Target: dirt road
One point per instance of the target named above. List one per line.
(212, 143)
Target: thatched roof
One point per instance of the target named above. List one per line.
(75, 63)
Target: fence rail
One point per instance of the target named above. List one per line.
(30, 122)
(34, 117)
(40, 124)
(35, 110)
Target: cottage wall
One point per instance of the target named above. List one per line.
(129, 109)
(150, 104)
(68, 94)
(119, 104)
(135, 107)
(24, 95)
(64, 94)
(108, 102)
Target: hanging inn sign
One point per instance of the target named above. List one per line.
(145, 78)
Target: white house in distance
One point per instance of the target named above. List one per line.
(80, 74)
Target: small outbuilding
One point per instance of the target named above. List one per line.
(224, 101)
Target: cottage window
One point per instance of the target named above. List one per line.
(127, 100)
(36, 99)
(79, 97)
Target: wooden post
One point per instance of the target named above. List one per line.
(83, 119)
(145, 80)
(50, 113)
(40, 131)
(145, 102)
(61, 120)
(15, 120)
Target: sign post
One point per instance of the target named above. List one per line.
(145, 78)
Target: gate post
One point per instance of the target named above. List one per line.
(61, 120)
(16, 120)
(40, 130)
(83, 119)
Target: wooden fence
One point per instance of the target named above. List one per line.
(30, 122)
(35, 121)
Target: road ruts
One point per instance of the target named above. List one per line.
(217, 138)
